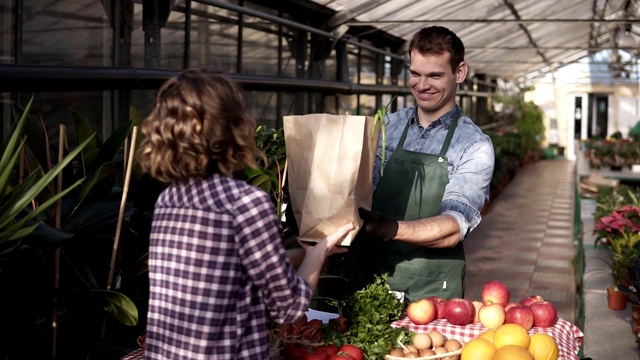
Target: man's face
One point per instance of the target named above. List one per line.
(434, 84)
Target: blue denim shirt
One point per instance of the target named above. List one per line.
(470, 155)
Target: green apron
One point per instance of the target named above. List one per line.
(412, 188)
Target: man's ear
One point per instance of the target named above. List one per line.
(461, 72)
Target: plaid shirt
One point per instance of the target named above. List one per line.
(217, 264)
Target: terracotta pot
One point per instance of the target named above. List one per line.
(617, 299)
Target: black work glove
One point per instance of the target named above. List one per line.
(377, 226)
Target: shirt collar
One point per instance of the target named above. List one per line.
(445, 119)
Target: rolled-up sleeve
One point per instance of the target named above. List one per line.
(469, 184)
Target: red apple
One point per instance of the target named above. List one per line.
(521, 315)
(477, 305)
(491, 315)
(510, 305)
(422, 312)
(528, 300)
(495, 291)
(440, 302)
(544, 313)
(459, 311)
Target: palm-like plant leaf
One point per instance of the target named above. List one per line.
(38, 140)
(84, 131)
(8, 235)
(118, 305)
(9, 210)
(97, 216)
(262, 178)
(112, 146)
(7, 167)
(11, 230)
(10, 149)
(104, 171)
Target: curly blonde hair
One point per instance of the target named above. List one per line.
(199, 126)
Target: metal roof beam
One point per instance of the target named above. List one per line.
(347, 15)
(524, 29)
(498, 48)
(564, 62)
(481, 21)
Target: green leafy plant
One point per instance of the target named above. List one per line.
(370, 312)
(621, 228)
(611, 198)
(15, 213)
(634, 132)
(632, 288)
(82, 231)
(270, 174)
(531, 128)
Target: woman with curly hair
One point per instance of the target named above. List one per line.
(217, 263)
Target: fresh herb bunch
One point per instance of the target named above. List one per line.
(370, 312)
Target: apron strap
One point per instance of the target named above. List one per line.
(404, 133)
(447, 140)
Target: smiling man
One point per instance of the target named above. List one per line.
(437, 173)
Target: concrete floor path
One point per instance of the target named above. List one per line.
(526, 239)
(530, 238)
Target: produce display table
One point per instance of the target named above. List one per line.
(568, 336)
(135, 355)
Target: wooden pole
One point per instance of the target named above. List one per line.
(56, 260)
(123, 203)
(126, 155)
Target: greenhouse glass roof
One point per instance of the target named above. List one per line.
(518, 40)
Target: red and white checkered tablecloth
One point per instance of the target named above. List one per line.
(568, 336)
(135, 355)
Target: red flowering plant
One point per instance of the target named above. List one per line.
(621, 228)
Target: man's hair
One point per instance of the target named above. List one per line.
(437, 40)
(199, 126)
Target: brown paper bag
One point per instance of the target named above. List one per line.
(330, 171)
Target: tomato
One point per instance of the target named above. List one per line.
(316, 356)
(316, 323)
(341, 356)
(294, 352)
(328, 349)
(353, 351)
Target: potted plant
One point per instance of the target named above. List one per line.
(602, 154)
(621, 228)
(631, 287)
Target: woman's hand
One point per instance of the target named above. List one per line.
(315, 255)
(330, 243)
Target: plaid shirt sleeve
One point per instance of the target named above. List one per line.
(259, 236)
